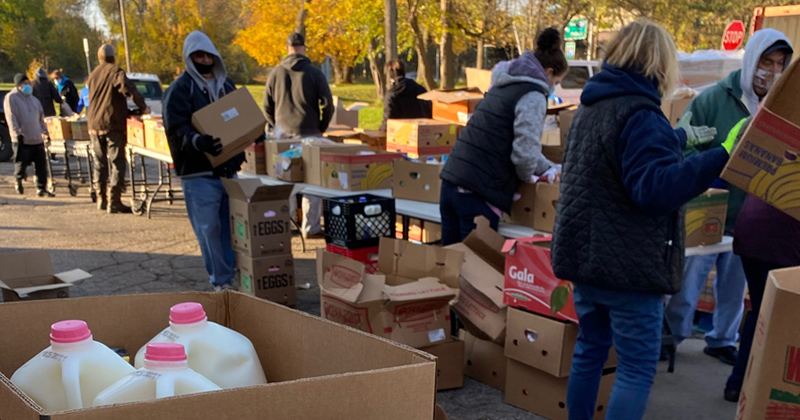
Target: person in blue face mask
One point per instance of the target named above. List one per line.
(25, 118)
(501, 144)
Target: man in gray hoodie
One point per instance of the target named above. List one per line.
(295, 92)
(25, 118)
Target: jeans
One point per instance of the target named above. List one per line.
(24, 155)
(757, 273)
(729, 287)
(632, 321)
(209, 212)
(458, 211)
(110, 162)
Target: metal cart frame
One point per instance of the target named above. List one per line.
(142, 198)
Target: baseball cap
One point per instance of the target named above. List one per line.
(778, 46)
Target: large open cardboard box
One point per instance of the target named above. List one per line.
(29, 276)
(453, 105)
(317, 369)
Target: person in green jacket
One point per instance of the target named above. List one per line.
(722, 106)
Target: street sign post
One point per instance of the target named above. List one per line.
(733, 36)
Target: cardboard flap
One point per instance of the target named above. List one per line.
(487, 243)
(28, 264)
(253, 190)
(373, 288)
(414, 261)
(350, 294)
(781, 98)
(23, 291)
(425, 288)
(73, 275)
(450, 96)
(340, 275)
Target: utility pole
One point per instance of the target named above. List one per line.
(86, 52)
(128, 67)
(202, 21)
(390, 28)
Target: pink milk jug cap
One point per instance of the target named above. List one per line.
(70, 331)
(165, 352)
(187, 313)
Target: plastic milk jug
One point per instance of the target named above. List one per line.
(220, 354)
(166, 373)
(72, 371)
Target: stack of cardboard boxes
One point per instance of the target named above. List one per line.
(536, 206)
(542, 331)
(407, 301)
(261, 235)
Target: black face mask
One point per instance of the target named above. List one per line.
(204, 68)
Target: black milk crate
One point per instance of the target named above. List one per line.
(358, 221)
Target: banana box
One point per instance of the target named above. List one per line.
(421, 137)
(765, 161)
(705, 218)
(358, 170)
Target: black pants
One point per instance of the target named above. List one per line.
(110, 162)
(24, 155)
(756, 272)
(458, 211)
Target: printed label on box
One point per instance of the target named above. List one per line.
(241, 230)
(230, 114)
(246, 283)
(436, 335)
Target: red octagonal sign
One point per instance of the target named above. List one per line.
(733, 36)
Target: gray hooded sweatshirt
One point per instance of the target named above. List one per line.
(529, 114)
(25, 117)
(756, 45)
(198, 41)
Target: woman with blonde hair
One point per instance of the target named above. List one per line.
(619, 225)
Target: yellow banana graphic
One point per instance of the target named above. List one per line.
(782, 189)
(376, 174)
(695, 220)
(401, 135)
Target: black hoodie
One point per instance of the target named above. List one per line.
(295, 91)
(401, 101)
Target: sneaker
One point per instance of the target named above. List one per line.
(118, 208)
(54, 159)
(223, 287)
(18, 187)
(726, 355)
(731, 395)
(45, 193)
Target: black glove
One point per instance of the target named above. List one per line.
(210, 145)
(20, 139)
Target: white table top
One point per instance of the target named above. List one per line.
(430, 212)
(151, 154)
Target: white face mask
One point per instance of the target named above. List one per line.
(765, 79)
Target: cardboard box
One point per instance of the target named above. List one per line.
(303, 358)
(764, 162)
(421, 137)
(480, 303)
(156, 136)
(485, 361)
(705, 218)
(706, 301)
(235, 119)
(350, 170)
(255, 159)
(260, 218)
(565, 119)
(453, 105)
(449, 364)
(59, 128)
(421, 231)
(339, 136)
(544, 206)
(554, 154)
(29, 276)
(408, 301)
(288, 169)
(270, 278)
(376, 140)
(530, 283)
(551, 137)
(136, 133)
(346, 115)
(772, 384)
(543, 394)
(312, 158)
(417, 181)
(481, 79)
(522, 211)
(80, 130)
(674, 109)
(274, 147)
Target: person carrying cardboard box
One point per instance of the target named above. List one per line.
(401, 98)
(722, 106)
(204, 81)
(500, 146)
(619, 225)
(108, 128)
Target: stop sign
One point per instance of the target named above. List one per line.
(733, 36)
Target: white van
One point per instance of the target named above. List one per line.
(580, 71)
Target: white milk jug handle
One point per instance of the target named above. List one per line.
(165, 387)
(70, 376)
